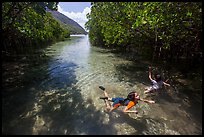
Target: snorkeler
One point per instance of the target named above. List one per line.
(157, 83)
(131, 100)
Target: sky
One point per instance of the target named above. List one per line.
(76, 11)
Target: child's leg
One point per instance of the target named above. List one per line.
(149, 89)
(106, 94)
(108, 104)
(114, 107)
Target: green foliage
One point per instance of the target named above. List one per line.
(167, 29)
(28, 21)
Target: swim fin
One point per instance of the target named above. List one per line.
(102, 88)
(103, 97)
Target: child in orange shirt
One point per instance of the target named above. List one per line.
(131, 100)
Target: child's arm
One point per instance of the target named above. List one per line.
(150, 73)
(130, 111)
(147, 101)
(166, 84)
(129, 106)
(126, 110)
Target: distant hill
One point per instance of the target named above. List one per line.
(68, 23)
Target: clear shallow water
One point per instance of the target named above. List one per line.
(63, 97)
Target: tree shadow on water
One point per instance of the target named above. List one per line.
(139, 125)
(53, 108)
(133, 72)
(75, 116)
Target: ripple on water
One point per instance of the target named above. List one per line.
(66, 100)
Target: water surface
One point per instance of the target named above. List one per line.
(62, 97)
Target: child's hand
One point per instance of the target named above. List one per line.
(166, 84)
(151, 101)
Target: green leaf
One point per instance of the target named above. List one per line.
(189, 14)
(144, 22)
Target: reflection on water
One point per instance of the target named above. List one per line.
(64, 97)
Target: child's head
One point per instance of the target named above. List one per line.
(133, 95)
(158, 77)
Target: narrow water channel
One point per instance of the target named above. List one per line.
(63, 98)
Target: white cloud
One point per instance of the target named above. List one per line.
(79, 17)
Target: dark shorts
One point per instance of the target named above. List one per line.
(117, 101)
